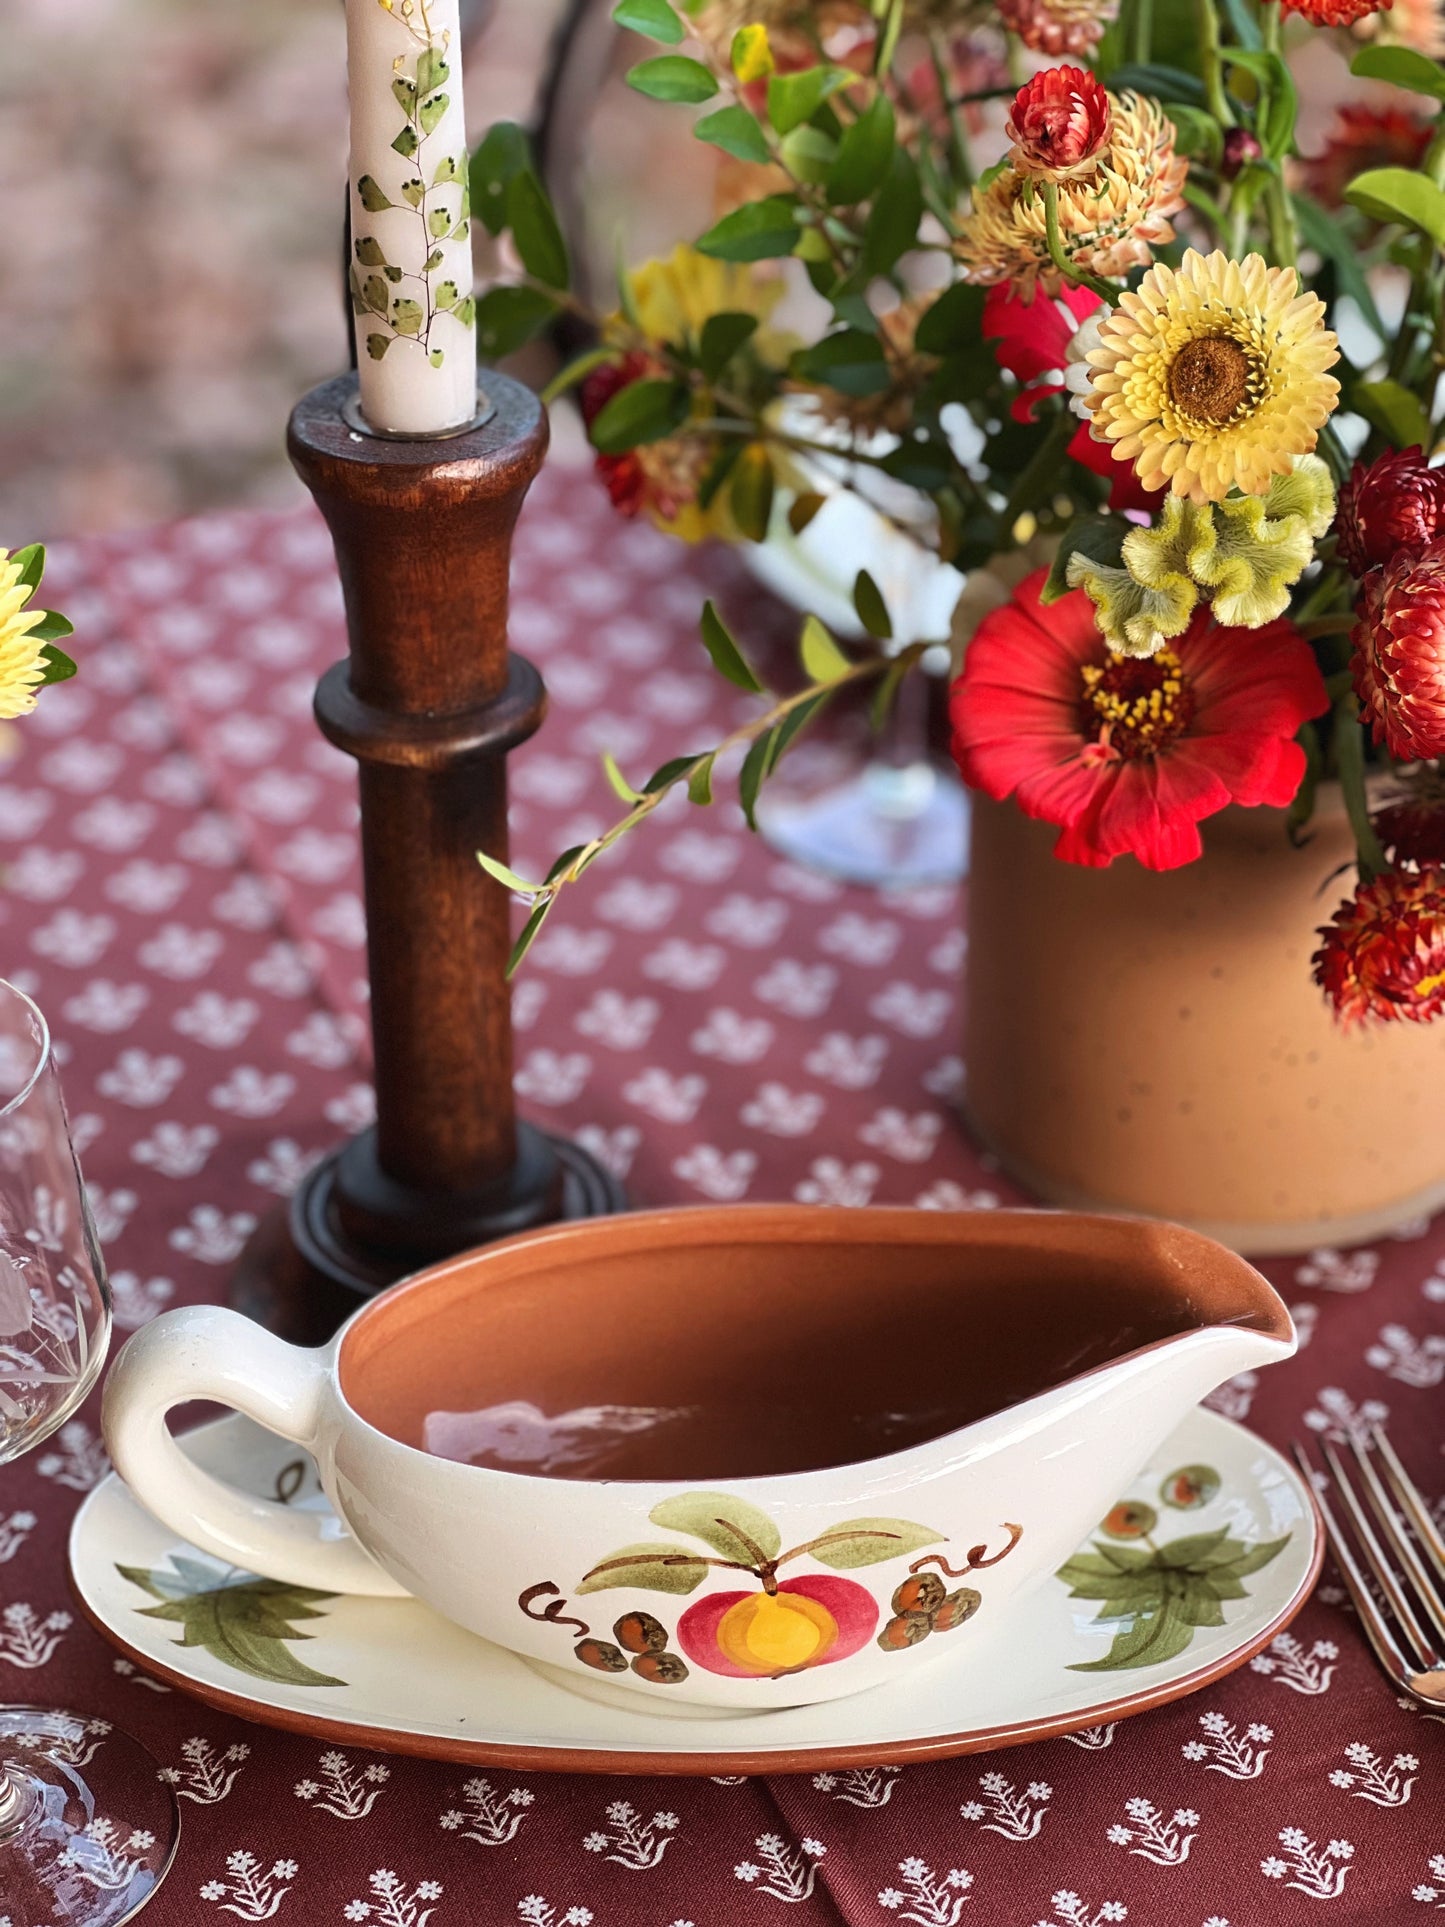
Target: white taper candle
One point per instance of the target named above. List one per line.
(411, 261)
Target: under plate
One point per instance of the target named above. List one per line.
(393, 1675)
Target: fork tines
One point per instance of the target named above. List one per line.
(1399, 1548)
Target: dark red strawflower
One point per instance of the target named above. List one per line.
(1399, 662)
(1240, 146)
(1412, 828)
(1395, 503)
(1383, 955)
(1058, 123)
(1336, 13)
(1362, 136)
(623, 476)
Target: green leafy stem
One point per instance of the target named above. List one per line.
(768, 735)
(30, 562)
(375, 281)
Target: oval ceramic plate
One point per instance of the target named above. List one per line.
(1209, 1554)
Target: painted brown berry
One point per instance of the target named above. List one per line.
(921, 1592)
(956, 1608)
(601, 1656)
(663, 1669)
(904, 1630)
(640, 1633)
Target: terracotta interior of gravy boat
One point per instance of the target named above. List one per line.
(715, 1343)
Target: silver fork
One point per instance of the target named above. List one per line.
(1409, 1640)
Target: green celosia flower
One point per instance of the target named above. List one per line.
(1243, 555)
(1306, 491)
(1139, 608)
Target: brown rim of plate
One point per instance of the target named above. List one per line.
(617, 1760)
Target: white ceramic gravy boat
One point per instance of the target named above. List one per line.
(799, 1448)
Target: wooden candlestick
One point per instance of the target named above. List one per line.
(429, 702)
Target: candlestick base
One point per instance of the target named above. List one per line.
(313, 1262)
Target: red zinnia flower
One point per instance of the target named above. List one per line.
(1336, 13)
(1384, 953)
(1031, 342)
(1396, 502)
(1058, 123)
(1363, 136)
(1127, 753)
(1399, 644)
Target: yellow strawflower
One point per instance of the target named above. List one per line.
(1210, 377)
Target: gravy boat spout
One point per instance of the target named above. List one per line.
(1200, 1315)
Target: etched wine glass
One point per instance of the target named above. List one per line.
(87, 1827)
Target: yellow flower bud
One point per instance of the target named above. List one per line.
(752, 56)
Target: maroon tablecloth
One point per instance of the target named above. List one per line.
(180, 893)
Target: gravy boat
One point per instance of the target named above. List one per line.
(733, 1457)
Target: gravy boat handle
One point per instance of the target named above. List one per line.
(204, 1351)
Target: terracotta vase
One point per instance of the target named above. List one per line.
(1154, 1043)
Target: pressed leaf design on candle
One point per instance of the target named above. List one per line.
(399, 305)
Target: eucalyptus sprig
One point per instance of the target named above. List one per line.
(767, 736)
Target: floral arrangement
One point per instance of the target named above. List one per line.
(1160, 389)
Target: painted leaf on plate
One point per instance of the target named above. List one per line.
(244, 1623)
(1155, 1631)
(1161, 1596)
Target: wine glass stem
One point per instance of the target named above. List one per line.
(16, 1801)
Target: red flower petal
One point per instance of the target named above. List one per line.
(1126, 491)
(1065, 793)
(1031, 339)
